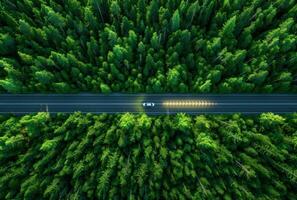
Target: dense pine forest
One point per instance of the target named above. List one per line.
(139, 157)
(148, 46)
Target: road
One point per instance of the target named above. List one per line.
(164, 103)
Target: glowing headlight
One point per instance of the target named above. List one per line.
(188, 103)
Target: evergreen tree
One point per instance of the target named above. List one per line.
(73, 40)
(7, 45)
(175, 23)
(119, 156)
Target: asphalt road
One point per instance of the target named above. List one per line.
(164, 103)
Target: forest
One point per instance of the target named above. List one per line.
(85, 156)
(155, 46)
(148, 46)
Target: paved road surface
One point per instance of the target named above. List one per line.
(164, 103)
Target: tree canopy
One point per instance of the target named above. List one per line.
(85, 156)
(218, 46)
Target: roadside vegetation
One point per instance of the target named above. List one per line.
(148, 46)
(152, 46)
(139, 157)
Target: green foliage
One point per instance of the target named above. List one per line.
(148, 46)
(271, 120)
(44, 77)
(136, 156)
(105, 88)
(175, 21)
(205, 87)
(33, 124)
(11, 85)
(7, 44)
(173, 77)
(126, 121)
(228, 28)
(183, 122)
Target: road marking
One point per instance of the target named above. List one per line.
(79, 104)
(262, 104)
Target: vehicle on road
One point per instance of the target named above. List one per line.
(148, 104)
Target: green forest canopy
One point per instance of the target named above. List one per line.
(129, 156)
(148, 46)
(107, 46)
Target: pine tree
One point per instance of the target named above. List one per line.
(175, 21)
(7, 44)
(44, 77)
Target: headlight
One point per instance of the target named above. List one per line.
(188, 103)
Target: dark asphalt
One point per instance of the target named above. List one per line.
(121, 103)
